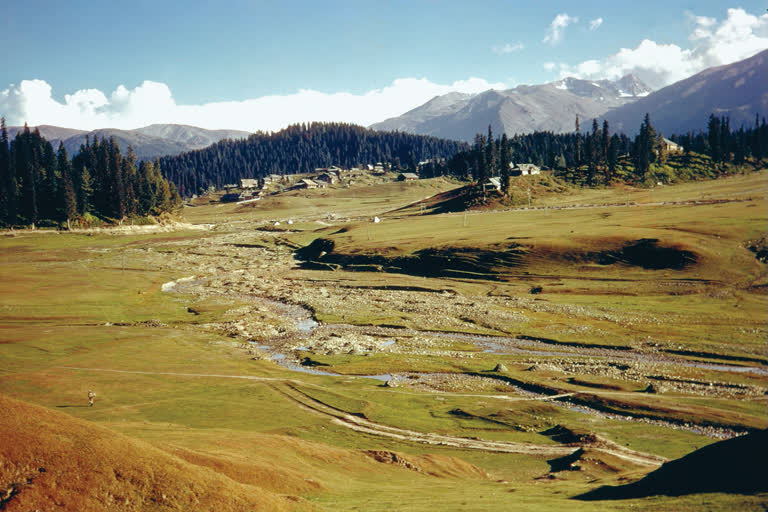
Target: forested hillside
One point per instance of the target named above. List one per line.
(300, 149)
(597, 157)
(41, 186)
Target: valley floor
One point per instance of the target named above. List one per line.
(474, 361)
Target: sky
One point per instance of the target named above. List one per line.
(262, 65)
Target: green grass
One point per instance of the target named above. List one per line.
(62, 295)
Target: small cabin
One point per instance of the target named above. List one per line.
(523, 169)
(671, 146)
(327, 177)
(247, 183)
(492, 184)
(306, 183)
(407, 176)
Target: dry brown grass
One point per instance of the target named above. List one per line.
(49, 458)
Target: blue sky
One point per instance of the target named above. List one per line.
(137, 62)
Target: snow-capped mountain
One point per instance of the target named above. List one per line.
(524, 109)
(738, 91)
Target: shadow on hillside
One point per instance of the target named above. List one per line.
(735, 466)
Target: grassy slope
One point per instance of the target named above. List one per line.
(559, 255)
(51, 458)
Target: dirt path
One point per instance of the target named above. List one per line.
(362, 425)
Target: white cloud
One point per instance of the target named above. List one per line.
(31, 101)
(557, 28)
(549, 66)
(507, 48)
(738, 36)
(594, 24)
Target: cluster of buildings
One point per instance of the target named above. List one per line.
(253, 189)
(514, 170)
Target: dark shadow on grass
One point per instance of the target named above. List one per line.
(735, 466)
(63, 406)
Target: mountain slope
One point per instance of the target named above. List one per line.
(736, 90)
(148, 142)
(524, 109)
(191, 136)
(53, 134)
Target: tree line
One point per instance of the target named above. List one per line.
(41, 186)
(597, 156)
(300, 148)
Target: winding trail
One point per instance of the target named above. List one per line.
(286, 387)
(359, 424)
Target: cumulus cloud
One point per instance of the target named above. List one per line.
(557, 28)
(508, 48)
(595, 23)
(738, 36)
(31, 101)
(549, 66)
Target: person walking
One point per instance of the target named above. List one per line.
(91, 396)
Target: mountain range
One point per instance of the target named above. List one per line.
(738, 90)
(148, 142)
(735, 90)
(524, 109)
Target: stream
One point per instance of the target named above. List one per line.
(306, 324)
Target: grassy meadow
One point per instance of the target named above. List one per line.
(82, 311)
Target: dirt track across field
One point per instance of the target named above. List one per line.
(339, 417)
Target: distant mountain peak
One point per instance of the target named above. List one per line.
(628, 86)
(736, 90)
(524, 109)
(148, 142)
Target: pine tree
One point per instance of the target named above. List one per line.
(725, 139)
(757, 149)
(577, 163)
(604, 144)
(644, 143)
(7, 179)
(504, 160)
(26, 171)
(593, 151)
(613, 154)
(713, 137)
(48, 175)
(129, 176)
(740, 147)
(66, 196)
(84, 192)
(116, 186)
(662, 154)
(490, 154)
(481, 167)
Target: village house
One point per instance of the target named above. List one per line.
(305, 183)
(523, 169)
(246, 183)
(670, 146)
(327, 178)
(492, 184)
(407, 176)
(230, 198)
